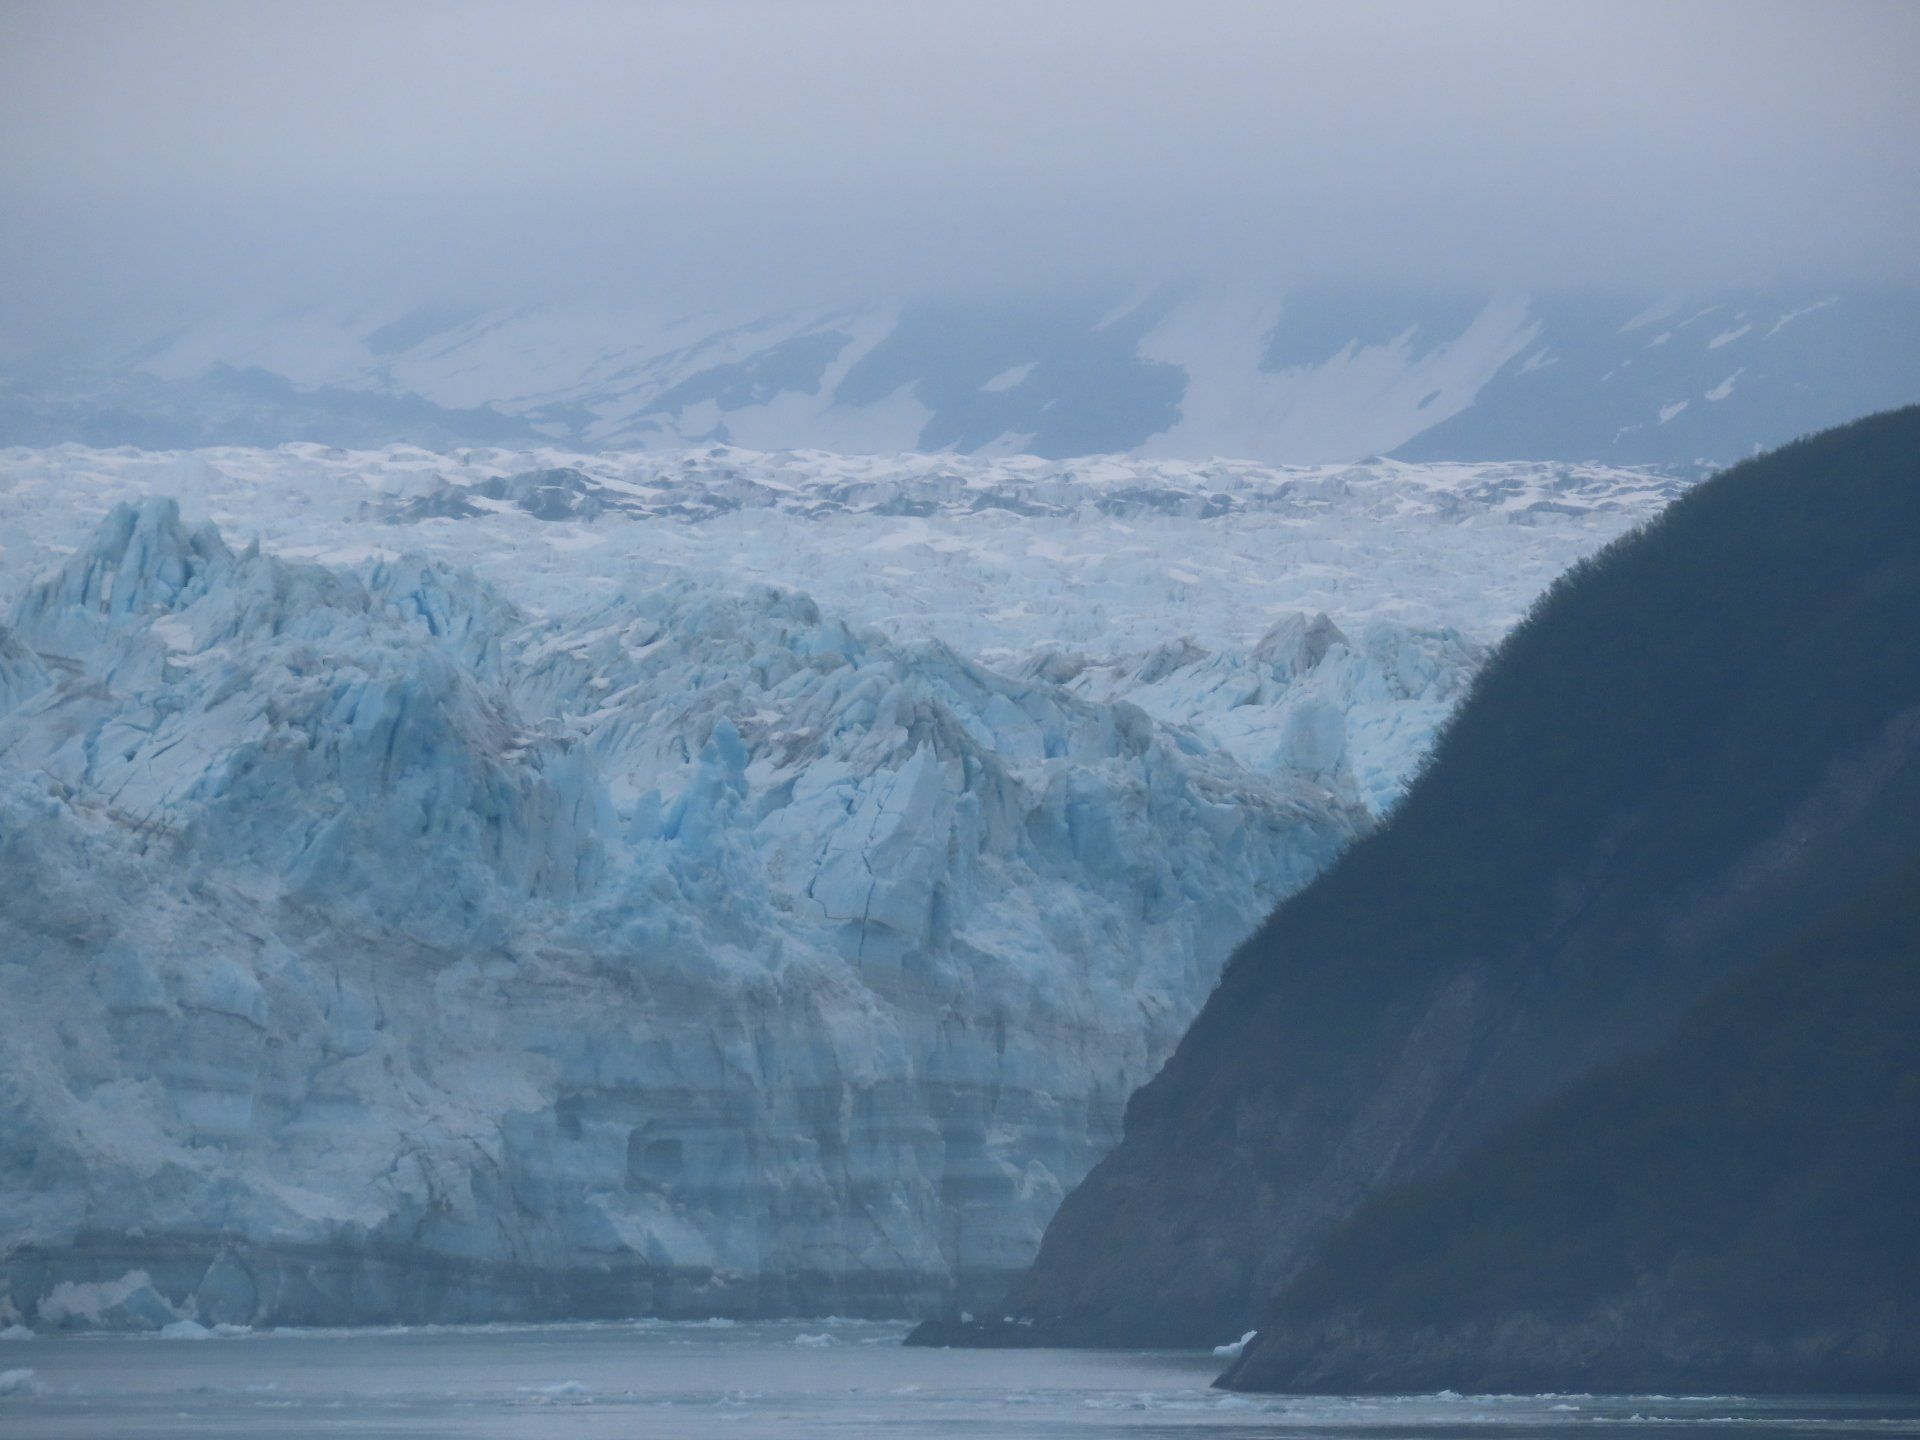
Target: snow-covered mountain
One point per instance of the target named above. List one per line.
(1168, 371)
(484, 885)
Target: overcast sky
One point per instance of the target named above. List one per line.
(210, 153)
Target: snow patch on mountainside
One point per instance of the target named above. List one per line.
(1241, 367)
(1363, 399)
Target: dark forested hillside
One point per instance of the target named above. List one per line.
(1701, 744)
(1740, 1205)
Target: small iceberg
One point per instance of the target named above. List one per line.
(563, 1390)
(1233, 1349)
(194, 1330)
(18, 1382)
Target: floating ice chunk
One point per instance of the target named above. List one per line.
(18, 1382)
(815, 1340)
(129, 1303)
(1008, 379)
(1233, 1349)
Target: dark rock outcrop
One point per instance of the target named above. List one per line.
(1700, 745)
(1732, 1211)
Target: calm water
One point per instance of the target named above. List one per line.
(787, 1380)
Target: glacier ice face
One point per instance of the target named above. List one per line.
(1306, 700)
(609, 930)
(698, 944)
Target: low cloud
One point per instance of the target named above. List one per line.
(184, 156)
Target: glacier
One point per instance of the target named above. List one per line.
(515, 884)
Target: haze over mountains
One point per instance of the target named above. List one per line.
(1240, 370)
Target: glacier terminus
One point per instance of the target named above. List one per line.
(517, 883)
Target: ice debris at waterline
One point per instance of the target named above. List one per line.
(383, 947)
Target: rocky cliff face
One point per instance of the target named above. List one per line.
(1697, 746)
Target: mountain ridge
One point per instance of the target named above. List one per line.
(1184, 372)
(1694, 744)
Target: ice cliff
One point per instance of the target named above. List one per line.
(699, 952)
(383, 940)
